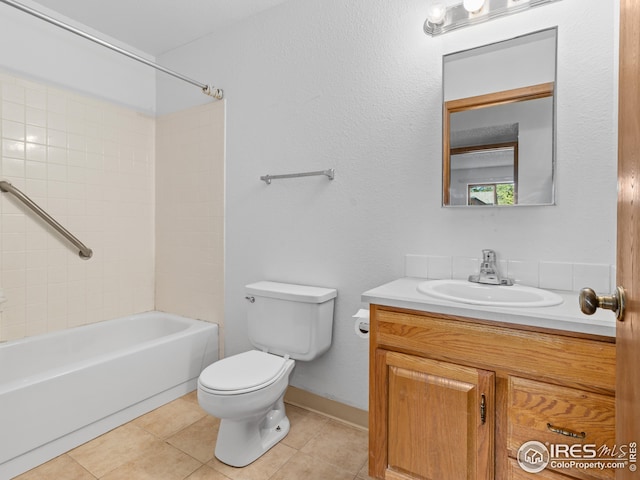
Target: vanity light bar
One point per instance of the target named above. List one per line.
(457, 16)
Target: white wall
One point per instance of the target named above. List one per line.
(38, 50)
(357, 86)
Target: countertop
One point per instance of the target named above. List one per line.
(403, 293)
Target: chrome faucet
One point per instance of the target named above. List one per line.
(489, 273)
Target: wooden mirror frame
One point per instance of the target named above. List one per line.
(523, 94)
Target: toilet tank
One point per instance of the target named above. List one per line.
(288, 319)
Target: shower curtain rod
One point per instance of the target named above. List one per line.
(206, 89)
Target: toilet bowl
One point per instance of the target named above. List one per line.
(246, 391)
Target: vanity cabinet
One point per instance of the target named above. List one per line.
(455, 398)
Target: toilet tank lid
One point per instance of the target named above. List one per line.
(292, 292)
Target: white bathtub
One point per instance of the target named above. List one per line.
(59, 390)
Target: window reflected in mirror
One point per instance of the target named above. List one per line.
(491, 194)
(484, 174)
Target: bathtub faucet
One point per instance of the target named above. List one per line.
(489, 273)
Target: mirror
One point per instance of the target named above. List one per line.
(498, 123)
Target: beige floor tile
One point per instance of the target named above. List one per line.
(114, 448)
(207, 473)
(192, 398)
(305, 467)
(163, 463)
(198, 439)
(262, 469)
(170, 418)
(340, 445)
(62, 467)
(174, 441)
(304, 426)
(363, 474)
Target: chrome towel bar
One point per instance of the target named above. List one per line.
(84, 251)
(331, 173)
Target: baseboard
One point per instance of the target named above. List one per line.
(331, 408)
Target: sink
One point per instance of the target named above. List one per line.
(463, 291)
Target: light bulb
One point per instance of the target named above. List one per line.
(473, 6)
(436, 13)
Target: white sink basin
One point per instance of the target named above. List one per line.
(490, 295)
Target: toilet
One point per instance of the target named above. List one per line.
(286, 322)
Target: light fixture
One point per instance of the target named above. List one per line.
(436, 12)
(470, 12)
(473, 6)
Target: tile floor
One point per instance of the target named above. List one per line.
(176, 441)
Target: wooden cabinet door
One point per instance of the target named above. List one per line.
(440, 420)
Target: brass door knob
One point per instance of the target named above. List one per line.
(590, 302)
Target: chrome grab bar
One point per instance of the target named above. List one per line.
(84, 251)
(331, 173)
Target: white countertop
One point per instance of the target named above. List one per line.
(403, 293)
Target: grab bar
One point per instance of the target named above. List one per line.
(331, 173)
(84, 251)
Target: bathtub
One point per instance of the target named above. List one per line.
(61, 389)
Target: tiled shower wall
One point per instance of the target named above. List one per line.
(190, 212)
(89, 164)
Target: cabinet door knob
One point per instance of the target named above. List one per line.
(483, 409)
(590, 302)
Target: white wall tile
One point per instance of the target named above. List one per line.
(92, 166)
(613, 272)
(440, 267)
(465, 266)
(36, 153)
(61, 167)
(36, 117)
(593, 276)
(13, 130)
(189, 213)
(549, 275)
(416, 266)
(556, 275)
(13, 92)
(13, 111)
(524, 272)
(36, 97)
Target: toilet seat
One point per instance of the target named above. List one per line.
(243, 373)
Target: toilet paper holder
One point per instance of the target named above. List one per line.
(362, 325)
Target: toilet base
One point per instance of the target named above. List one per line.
(241, 442)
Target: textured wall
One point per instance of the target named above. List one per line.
(357, 86)
(43, 52)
